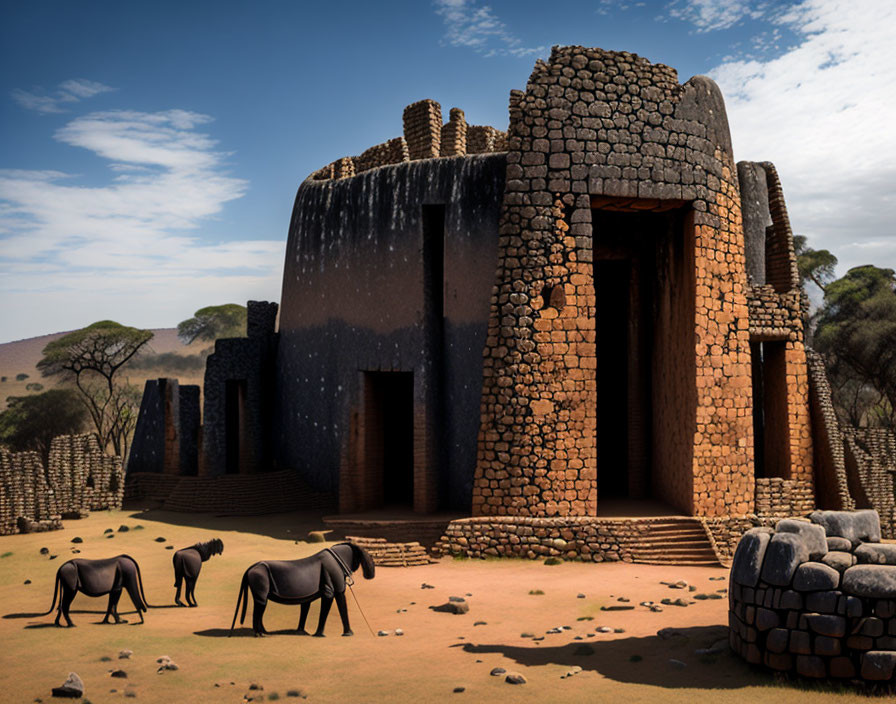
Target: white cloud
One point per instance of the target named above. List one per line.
(131, 249)
(822, 112)
(710, 15)
(72, 91)
(471, 25)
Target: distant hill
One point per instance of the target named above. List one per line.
(22, 356)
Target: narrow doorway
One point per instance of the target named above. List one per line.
(389, 423)
(771, 450)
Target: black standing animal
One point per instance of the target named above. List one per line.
(323, 576)
(95, 578)
(187, 563)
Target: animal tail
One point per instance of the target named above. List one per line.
(146, 604)
(55, 594)
(244, 597)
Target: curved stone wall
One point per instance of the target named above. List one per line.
(817, 597)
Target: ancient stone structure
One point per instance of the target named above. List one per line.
(597, 304)
(78, 479)
(817, 598)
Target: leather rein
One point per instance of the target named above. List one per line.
(347, 573)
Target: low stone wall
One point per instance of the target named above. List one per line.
(236, 494)
(817, 598)
(79, 478)
(870, 458)
(781, 498)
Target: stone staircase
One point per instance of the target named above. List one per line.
(673, 541)
(386, 554)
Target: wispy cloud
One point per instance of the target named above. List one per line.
(471, 25)
(68, 92)
(822, 112)
(132, 248)
(710, 15)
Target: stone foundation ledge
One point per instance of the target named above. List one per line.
(817, 597)
(574, 538)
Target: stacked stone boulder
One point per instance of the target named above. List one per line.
(817, 597)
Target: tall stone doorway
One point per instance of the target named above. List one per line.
(389, 439)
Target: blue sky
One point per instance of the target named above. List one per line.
(150, 152)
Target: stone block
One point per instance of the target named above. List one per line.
(842, 667)
(810, 666)
(878, 665)
(779, 661)
(791, 600)
(784, 553)
(827, 646)
(837, 543)
(822, 602)
(871, 626)
(839, 560)
(875, 554)
(777, 639)
(766, 619)
(811, 533)
(855, 526)
(826, 625)
(800, 643)
(815, 576)
(875, 581)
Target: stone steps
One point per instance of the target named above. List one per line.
(674, 542)
(386, 554)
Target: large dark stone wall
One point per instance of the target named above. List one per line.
(353, 301)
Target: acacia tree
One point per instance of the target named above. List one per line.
(91, 358)
(214, 322)
(856, 333)
(31, 422)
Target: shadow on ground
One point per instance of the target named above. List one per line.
(282, 526)
(647, 660)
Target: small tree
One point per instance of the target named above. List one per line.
(31, 422)
(214, 322)
(857, 335)
(91, 358)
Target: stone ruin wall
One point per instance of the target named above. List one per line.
(79, 478)
(817, 598)
(870, 458)
(596, 123)
(425, 137)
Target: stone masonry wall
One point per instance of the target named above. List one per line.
(597, 123)
(870, 455)
(79, 478)
(781, 498)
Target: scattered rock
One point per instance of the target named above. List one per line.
(677, 664)
(160, 539)
(616, 607)
(125, 654)
(536, 592)
(580, 596)
(399, 632)
(108, 530)
(256, 687)
(716, 579)
(623, 599)
(27, 581)
(457, 599)
(138, 527)
(111, 535)
(480, 623)
(680, 584)
(72, 688)
(45, 551)
(497, 671)
(527, 635)
(515, 678)
(656, 608)
(165, 663)
(77, 539)
(123, 528)
(574, 670)
(603, 629)
(618, 630)
(119, 673)
(550, 561)
(426, 586)
(382, 633)
(692, 588)
(296, 693)
(75, 551)
(585, 618)
(452, 607)
(53, 557)
(169, 547)
(676, 602)
(105, 658)
(458, 690)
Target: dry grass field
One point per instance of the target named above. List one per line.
(437, 653)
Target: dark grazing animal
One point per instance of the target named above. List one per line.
(323, 576)
(95, 578)
(187, 563)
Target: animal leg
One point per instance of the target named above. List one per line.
(112, 609)
(325, 604)
(134, 593)
(191, 592)
(65, 602)
(303, 616)
(343, 614)
(177, 594)
(257, 616)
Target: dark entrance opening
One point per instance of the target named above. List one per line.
(390, 435)
(612, 279)
(644, 341)
(771, 445)
(234, 420)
